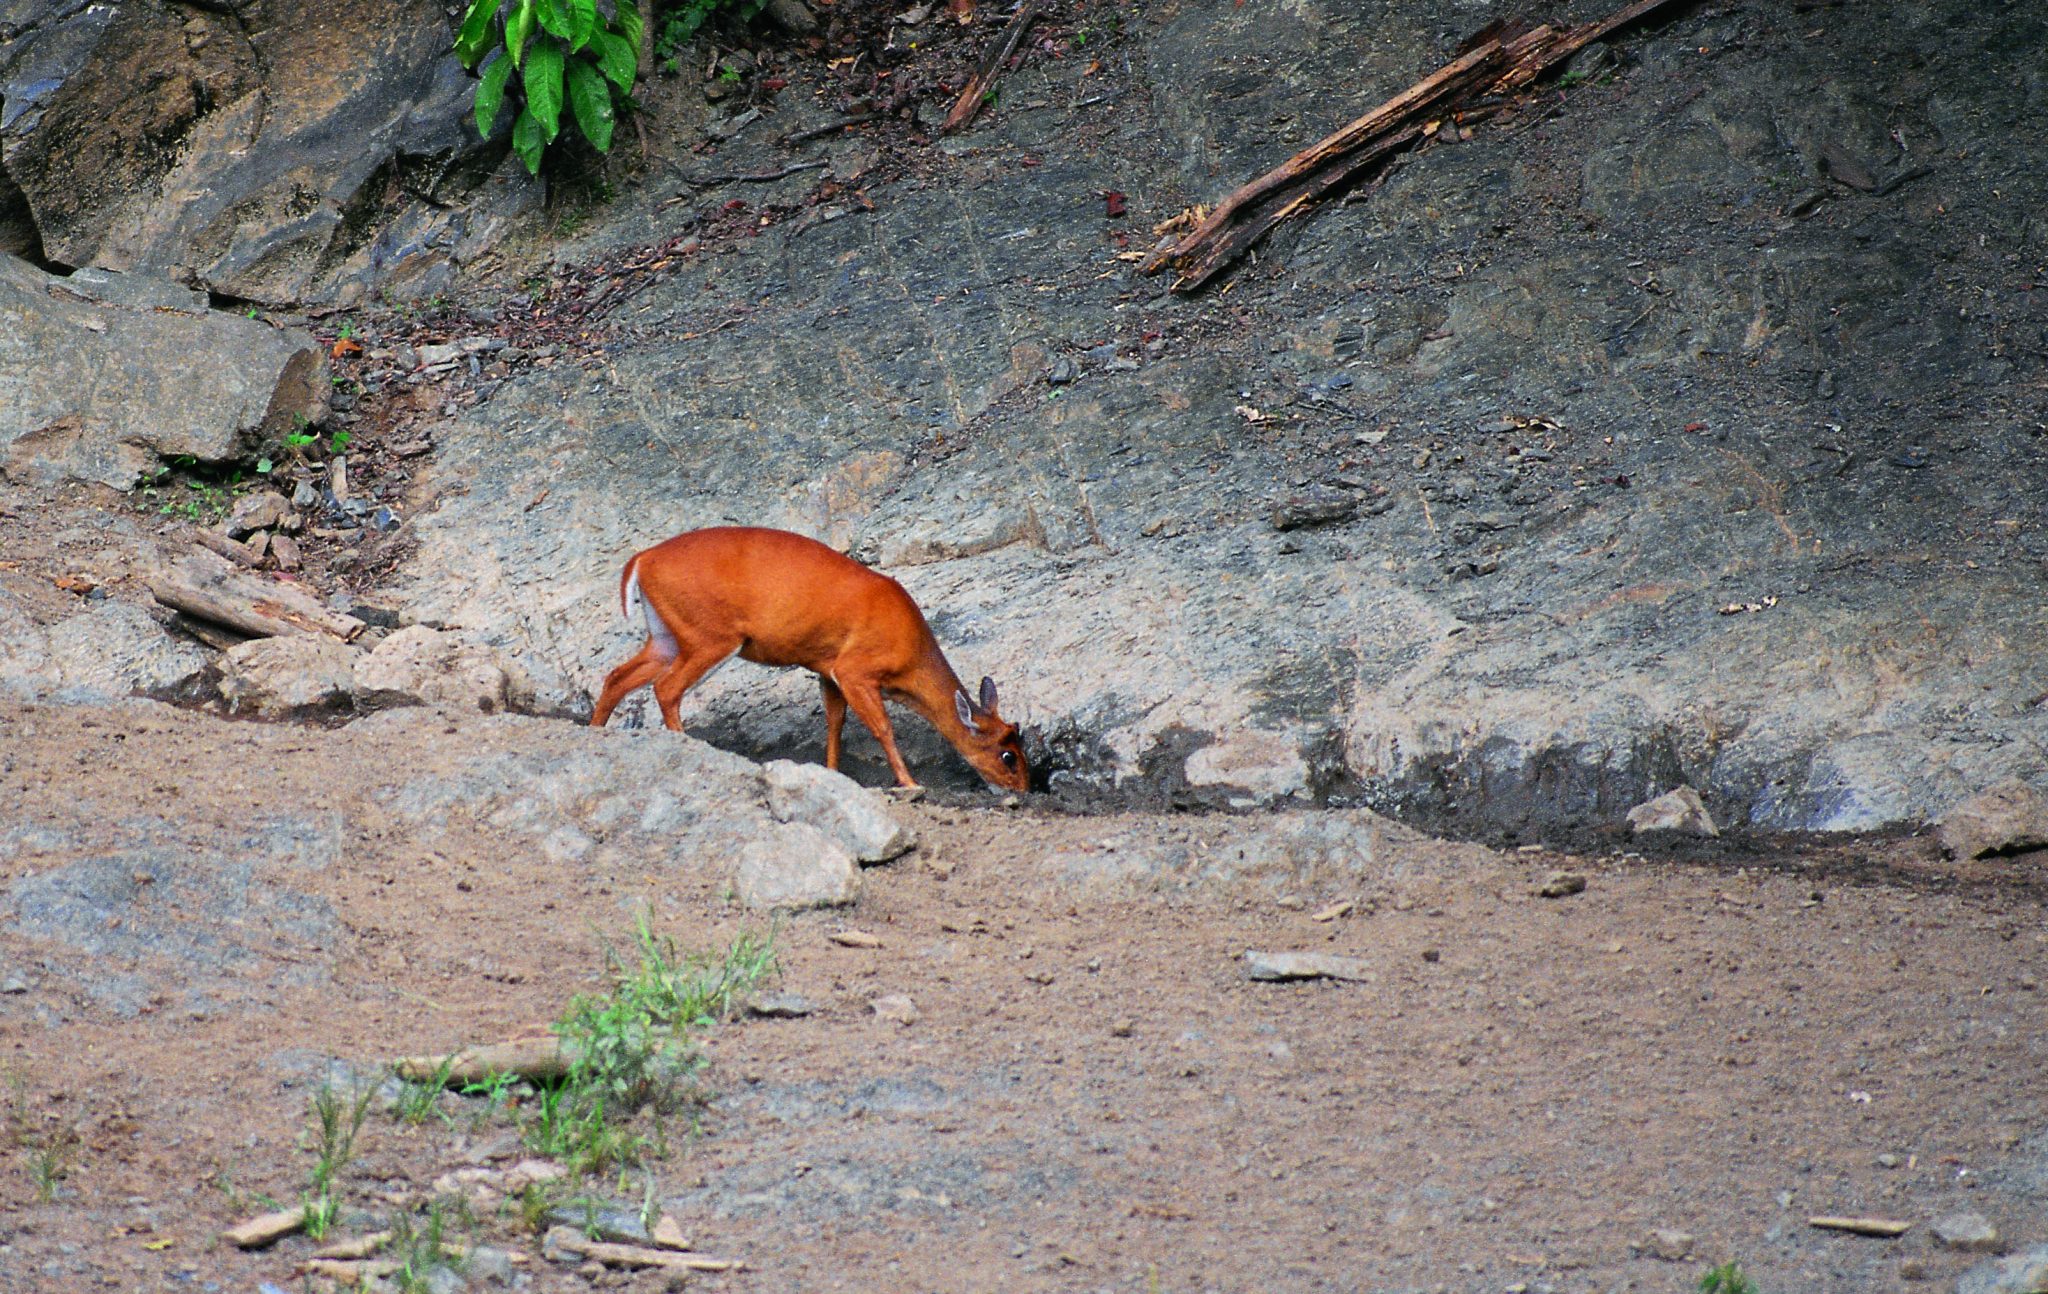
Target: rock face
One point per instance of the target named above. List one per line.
(796, 866)
(1606, 553)
(835, 804)
(423, 666)
(281, 678)
(110, 649)
(269, 151)
(2009, 818)
(101, 375)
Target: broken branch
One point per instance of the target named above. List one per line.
(535, 1058)
(984, 78)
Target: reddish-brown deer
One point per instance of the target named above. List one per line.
(778, 598)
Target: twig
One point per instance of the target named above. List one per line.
(984, 78)
(758, 177)
(832, 127)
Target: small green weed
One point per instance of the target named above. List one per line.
(419, 1246)
(418, 1102)
(1726, 1279)
(336, 1123)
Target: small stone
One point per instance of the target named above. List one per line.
(1914, 1269)
(1680, 810)
(895, 1007)
(284, 550)
(1293, 966)
(2025, 1272)
(796, 867)
(1062, 372)
(1666, 1246)
(1122, 1029)
(1558, 884)
(1972, 1232)
(2008, 818)
(1319, 505)
(260, 510)
(779, 1006)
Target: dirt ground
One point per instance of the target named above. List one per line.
(1093, 1095)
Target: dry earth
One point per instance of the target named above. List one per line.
(1093, 1096)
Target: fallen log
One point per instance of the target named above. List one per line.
(206, 587)
(984, 78)
(1502, 59)
(536, 1058)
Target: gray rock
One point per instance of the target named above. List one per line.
(2009, 818)
(424, 666)
(1967, 1231)
(1666, 1245)
(1316, 506)
(285, 677)
(250, 148)
(1679, 809)
(796, 866)
(97, 391)
(2025, 1272)
(1293, 966)
(792, 15)
(779, 1006)
(259, 510)
(836, 805)
(896, 1008)
(117, 648)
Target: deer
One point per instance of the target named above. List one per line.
(779, 598)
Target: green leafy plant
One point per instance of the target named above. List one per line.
(1726, 1279)
(417, 1102)
(419, 1246)
(682, 21)
(566, 53)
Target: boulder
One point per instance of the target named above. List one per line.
(833, 803)
(251, 147)
(111, 648)
(285, 677)
(423, 666)
(1679, 809)
(97, 384)
(795, 866)
(2009, 818)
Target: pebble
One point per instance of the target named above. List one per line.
(1558, 884)
(1972, 1232)
(1292, 966)
(1316, 506)
(1667, 1246)
(895, 1007)
(1062, 372)
(779, 1006)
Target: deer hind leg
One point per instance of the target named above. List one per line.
(636, 673)
(835, 719)
(690, 667)
(866, 700)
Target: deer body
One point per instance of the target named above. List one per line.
(778, 598)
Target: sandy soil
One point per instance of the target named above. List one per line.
(1093, 1096)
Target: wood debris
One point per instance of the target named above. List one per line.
(205, 586)
(569, 1240)
(982, 83)
(1885, 1228)
(1501, 59)
(266, 1229)
(543, 1057)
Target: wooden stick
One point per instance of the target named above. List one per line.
(570, 1240)
(984, 77)
(540, 1057)
(1884, 1227)
(235, 552)
(265, 1229)
(1499, 60)
(832, 127)
(204, 586)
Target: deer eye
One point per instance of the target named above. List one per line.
(1010, 759)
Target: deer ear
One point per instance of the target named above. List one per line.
(965, 709)
(988, 694)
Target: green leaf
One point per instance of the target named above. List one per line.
(529, 140)
(264, 465)
(591, 99)
(627, 23)
(582, 22)
(543, 80)
(490, 94)
(475, 37)
(617, 59)
(518, 29)
(554, 17)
